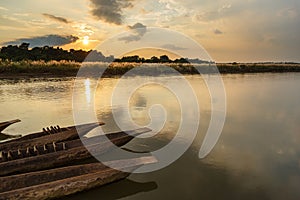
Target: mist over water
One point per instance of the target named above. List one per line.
(257, 156)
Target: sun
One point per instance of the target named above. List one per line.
(85, 40)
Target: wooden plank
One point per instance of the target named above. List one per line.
(94, 175)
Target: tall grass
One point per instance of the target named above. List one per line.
(51, 67)
(70, 68)
(258, 67)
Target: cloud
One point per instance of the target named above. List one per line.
(218, 32)
(84, 28)
(216, 14)
(110, 11)
(55, 18)
(172, 47)
(138, 30)
(3, 8)
(47, 40)
(21, 14)
(6, 21)
(224, 8)
(291, 13)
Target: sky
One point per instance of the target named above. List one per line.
(229, 30)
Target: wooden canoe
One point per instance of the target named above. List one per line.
(4, 125)
(54, 147)
(46, 137)
(75, 153)
(60, 182)
(54, 130)
(4, 136)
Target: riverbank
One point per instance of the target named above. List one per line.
(70, 69)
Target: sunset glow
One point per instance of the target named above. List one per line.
(85, 40)
(243, 31)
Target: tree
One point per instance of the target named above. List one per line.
(154, 59)
(164, 59)
(24, 46)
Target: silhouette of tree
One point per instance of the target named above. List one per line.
(154, 59)
(24, 46)
(47, 53)
(164, 59)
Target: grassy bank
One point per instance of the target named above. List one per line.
(39, 67)
(69, 68)
(258, 67)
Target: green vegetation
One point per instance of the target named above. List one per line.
(258, 67)
(70, 68)
(39, 67)
(49, 61)
(46, 53)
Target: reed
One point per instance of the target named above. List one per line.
(70, 68)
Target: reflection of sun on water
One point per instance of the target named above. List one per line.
(85, 40)
(87, 84)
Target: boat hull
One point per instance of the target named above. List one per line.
(68, 156)
(68, 180)
(42, 138)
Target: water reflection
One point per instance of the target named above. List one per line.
(37, 102)
(45, 89)
(257, 156)
(126, 188)
(87, 84)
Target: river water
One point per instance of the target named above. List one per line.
(257, 155)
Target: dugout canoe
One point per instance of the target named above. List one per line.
(71, 152)
(55, 147)
(4, 125)
(55, 183)
(49, 135)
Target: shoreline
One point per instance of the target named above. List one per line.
(49, 76)
(70, 70)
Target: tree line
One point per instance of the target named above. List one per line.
(47, 53)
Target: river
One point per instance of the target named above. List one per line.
(256, 157)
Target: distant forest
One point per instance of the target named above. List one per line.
(46, 53)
